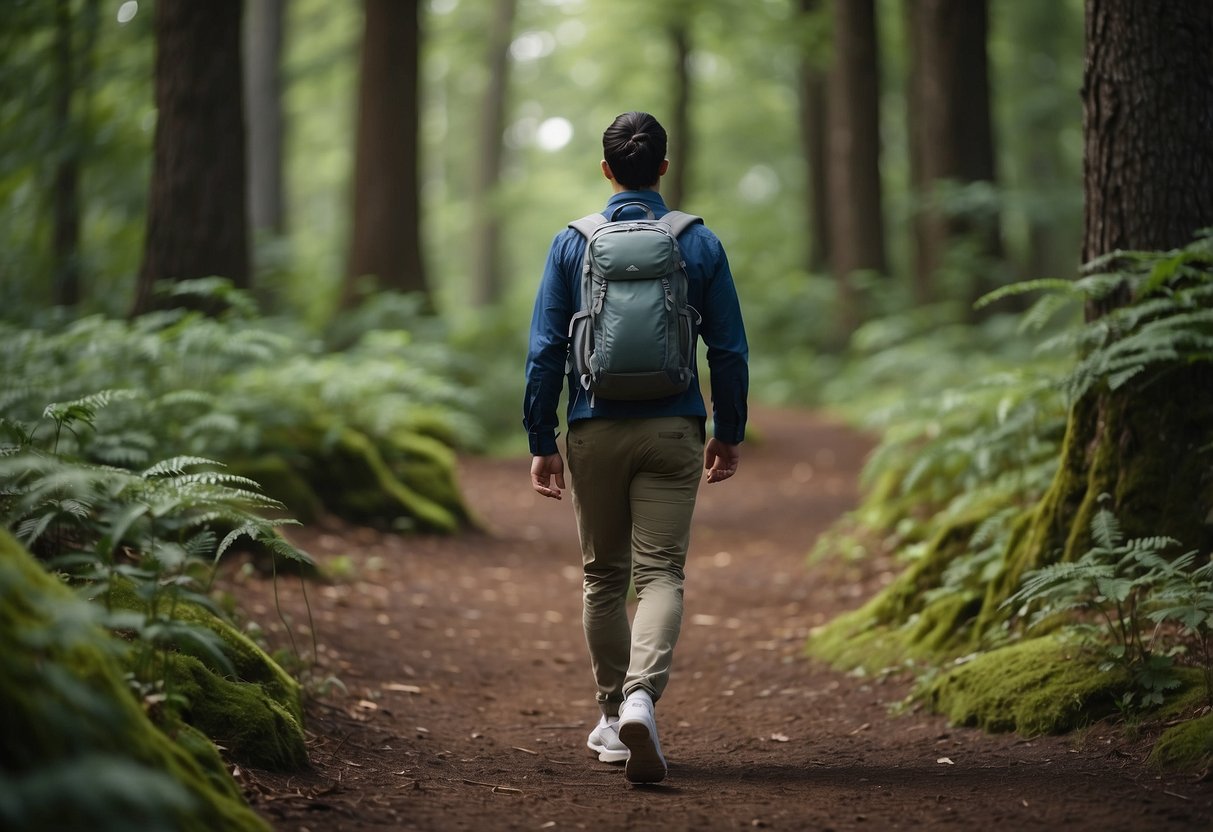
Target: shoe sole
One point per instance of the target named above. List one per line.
(606, 755)
(645, 763)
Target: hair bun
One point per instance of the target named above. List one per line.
(641, 138)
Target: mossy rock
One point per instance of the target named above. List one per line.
(282, 482)
(252, 664)
(78, 751)
(426, 465)
(238, 716)
(1039, 686)
(352, 479)
(1187, 746)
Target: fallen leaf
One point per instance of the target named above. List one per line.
(399, 688)
(367, 705)
(947, 761)
(779, 737)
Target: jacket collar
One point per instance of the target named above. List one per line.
(650, 198)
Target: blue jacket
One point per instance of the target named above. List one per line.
(710, 291)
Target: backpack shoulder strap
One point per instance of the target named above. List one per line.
(587, 225)
(680, 221)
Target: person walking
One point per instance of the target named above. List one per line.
(634, 464)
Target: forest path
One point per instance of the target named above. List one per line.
(470, 696)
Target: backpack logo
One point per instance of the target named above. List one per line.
(634, 335)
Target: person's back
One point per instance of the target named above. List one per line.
(634, 463)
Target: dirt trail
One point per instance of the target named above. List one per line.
(469, 694)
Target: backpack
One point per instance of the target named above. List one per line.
(634, 336)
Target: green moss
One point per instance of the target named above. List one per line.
(855, 639)
(353, 480)
(251, 663)
(77, 749)
(253, 728)
(427, 466)
(943, 623)
(1040, 686)
(1187, 746)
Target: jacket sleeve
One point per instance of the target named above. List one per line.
(723, 331)
(549, 343)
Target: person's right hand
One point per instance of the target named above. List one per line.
(720, 459)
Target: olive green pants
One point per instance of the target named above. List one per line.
(634, 484)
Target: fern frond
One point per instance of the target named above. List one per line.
(1049, 284)
(177, 465)
(1105, 529)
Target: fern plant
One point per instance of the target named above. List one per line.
(152, 530)
(1185, 599)
(1115, 582)
(1167, 319)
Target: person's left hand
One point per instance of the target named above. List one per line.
(547, 475)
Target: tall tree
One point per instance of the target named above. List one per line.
(853, 149)
(813, 131)
(675, 185)
(489, 280)
(1146, 443)
(951, 137)
(385, 243)
(263, 90)
(196, 222)
(73, 73)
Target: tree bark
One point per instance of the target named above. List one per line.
(853, 148)
(196, 223)
(263, 87)
(489, 281)
(951, 137)
(386, 239)
(813, 131)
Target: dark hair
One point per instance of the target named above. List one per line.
(634, 147)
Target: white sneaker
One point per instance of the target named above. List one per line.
(638, 730)
(604, 741)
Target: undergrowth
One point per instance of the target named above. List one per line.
(970, 443)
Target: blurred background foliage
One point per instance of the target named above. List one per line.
(573, 66)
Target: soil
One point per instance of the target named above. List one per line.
(465, 694)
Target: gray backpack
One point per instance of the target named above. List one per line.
(634, 336)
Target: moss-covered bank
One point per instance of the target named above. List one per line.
(405, 481)
(1038, 686)
(78, 751)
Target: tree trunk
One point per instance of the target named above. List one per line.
(263, 87)
(813, 133)
(196, 223)
(675, 185)
(386, 239)
(73, 78)
(951, 137)
(853, 148)
(66, 245)
(489, 280)
(1147, 444)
